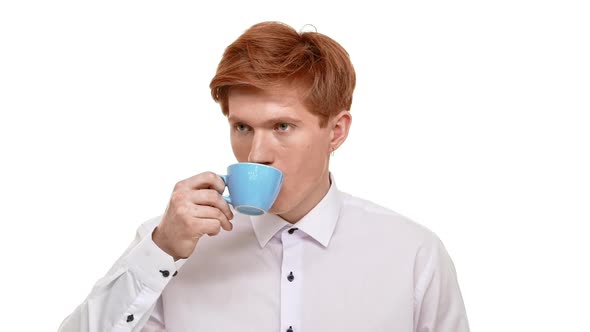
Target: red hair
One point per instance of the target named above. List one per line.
(272, 53)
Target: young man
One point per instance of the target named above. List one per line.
(320, 260)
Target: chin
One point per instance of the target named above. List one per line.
(280, 206)
(278, 209)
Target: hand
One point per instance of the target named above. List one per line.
(196, 208)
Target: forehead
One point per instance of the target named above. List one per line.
(252, 104)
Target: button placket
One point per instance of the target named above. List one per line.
(291, 279)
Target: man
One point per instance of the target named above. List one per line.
(320, 260)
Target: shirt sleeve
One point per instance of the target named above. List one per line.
(438, 303)
(126, 298)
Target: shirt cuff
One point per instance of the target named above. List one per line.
(152, 265)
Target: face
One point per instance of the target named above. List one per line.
(273, 127)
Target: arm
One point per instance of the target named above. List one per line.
(125, 298)
(438, 304)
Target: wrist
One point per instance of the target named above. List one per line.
(159, 239)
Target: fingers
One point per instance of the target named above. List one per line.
(199, 197)
(206, 180)
(207, 214)
(210, 197)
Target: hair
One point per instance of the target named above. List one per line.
(271, 54)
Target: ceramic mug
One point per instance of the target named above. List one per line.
(253, 188)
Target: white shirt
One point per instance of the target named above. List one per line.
(348, 265)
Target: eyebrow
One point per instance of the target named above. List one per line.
(279, 119)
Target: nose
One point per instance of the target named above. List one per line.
(261, 150)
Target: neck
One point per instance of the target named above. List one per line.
(314, 197)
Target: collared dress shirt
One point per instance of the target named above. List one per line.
(348, 265)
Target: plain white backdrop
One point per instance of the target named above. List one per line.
(470, 118)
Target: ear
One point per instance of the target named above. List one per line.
(340, 125)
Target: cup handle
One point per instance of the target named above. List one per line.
(227, 198)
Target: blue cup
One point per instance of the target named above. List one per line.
(253, 188)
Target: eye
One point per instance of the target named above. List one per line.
(283, 126)
(241, 128)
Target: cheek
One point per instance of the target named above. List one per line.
(304, 161)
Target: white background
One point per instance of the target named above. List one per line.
(470, 118)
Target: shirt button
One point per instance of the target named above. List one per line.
(175, 273)
(165, 273)
(130, 318)
(290, 329)
(292, 230)
(290, 277)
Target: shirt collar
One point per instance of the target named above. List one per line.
(319, 223)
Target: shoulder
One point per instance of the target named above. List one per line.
(384, 222)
